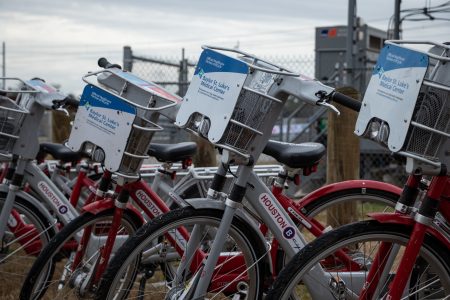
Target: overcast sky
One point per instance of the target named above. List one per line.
(62, 40)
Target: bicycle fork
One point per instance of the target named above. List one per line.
(423, 219)
(10, 198)
(198, 286)
(100, 263)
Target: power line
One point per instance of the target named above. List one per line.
(427, 26)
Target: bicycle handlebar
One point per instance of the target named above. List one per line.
(68, 101)
(104, 63)
(71, 101)
(345, 100)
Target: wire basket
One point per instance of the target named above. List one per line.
(117, 118)
(410, 111)
(11, 119)
(251, 111)
(137, 146)
(229, 101)
(430, 126)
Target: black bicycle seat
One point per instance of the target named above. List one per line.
(172, 152)
(301, 155)
(59, 152)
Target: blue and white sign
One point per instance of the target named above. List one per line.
(104, 120)
(214, 90)
(393, 88)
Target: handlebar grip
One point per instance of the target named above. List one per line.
(347, 101)
(72, 102)
(104, 63)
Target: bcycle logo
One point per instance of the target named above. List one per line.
(289, 232)
(141, 195)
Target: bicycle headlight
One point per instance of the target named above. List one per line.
(379, 131)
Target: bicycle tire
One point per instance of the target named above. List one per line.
(54, 255)
(321, 250)
(14, 269)
(130, 254)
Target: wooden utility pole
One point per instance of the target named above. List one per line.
(343, 156)
(342, 144)
(206, 154)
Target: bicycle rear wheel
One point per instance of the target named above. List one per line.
(70, 280)
(348, 206)
(430, 278)
(21, 245)
(146, 266)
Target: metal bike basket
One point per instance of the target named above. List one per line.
(12, 115)
(229, 102)
(117, 118)
(11, 118)
(421, 121)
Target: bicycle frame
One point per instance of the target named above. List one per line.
(72, 187)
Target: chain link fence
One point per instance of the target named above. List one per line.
(299, 122)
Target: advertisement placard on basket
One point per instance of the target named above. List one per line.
(146, 85)
(395, 82)
(106, 121)
(214, 91)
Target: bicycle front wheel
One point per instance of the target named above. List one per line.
(148, 265)
(27, 233)
(72, 280)
(360, 242)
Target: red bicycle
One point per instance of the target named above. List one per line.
(404, 254)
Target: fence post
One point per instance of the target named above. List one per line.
(342, 156)
(183, 75)
(127, 58)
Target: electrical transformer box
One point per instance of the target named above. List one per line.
(331, 49)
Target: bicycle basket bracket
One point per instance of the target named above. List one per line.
(392, 92)
(409, 97)
(213, 92)
(106, 121)
(232, 102)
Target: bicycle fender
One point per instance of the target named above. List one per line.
(99, 206)
(32, 201)
(406, 220)
(203, 203)
(350, 184)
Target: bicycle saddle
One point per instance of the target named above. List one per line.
(296, 156)
(59, 152)
(172, 152)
